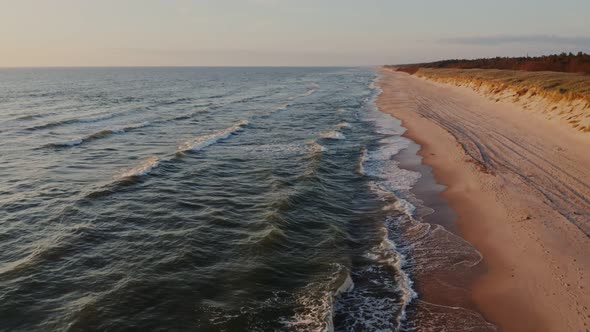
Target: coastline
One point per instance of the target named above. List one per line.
(532, 276)
(560, 97)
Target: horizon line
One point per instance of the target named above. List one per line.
(191, 66)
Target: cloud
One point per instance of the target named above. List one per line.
(577, 41)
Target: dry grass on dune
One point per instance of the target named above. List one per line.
(564, 96)
(554, 85)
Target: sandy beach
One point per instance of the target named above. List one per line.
(519, 185)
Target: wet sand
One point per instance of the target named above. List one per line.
(520, 188)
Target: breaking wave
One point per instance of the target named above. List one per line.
(201, 142)
(97, 118)
(316, 302)
(315, 147)
(307, 93)
(333, 134)
(97, 135)
(70, 121)
(343, 125)
(144, 168)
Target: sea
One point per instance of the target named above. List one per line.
(209, 199)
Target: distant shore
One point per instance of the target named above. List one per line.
(520, 186)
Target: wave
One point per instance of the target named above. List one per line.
(408, 244)
(201, 142)
(72, 142)
(52, 124)
(48, 248)
(283, 107)
(315, 303)
(315, 147)
(389, 254)
(430, 248)
(308, 93)
(27, 117)
(125, 177)
(382, 287)
(70, 121)
(144, 168)
(381, 294)
(362, 160)
(96, 119)
(343, 125)
(405, 206)
(273, 150)
(173, 101)
(333, 134)
(379, 163)
(188, 115)
(305, 94)
(97, 135)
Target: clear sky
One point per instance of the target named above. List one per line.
(283, 32)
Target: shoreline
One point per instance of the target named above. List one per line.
(532, 274)
(447, 288)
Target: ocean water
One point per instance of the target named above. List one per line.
(205, 199)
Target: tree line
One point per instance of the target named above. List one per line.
(564, 62)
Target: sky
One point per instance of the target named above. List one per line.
(284, 32)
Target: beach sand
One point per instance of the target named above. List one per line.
(519, 186)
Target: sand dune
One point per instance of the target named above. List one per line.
(520, 185)
(563, 97)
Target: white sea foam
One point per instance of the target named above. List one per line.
(316, 300)
(343, 125)
(405, 206)
(316, 147)
(122, 129)
(432, 248)
(72, 142)
(379, 300)
(390, 183)
(387, 253)
(362, 160)
(308, 93)
(346, 286)
(283, 107)
(201, 142)
(144, 168)
(379, 163)
(333, 134)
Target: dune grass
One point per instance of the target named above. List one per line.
(552, 85)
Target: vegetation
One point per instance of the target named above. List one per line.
(556, 85)
(561, 95)
(551, 85)
(568, 63)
